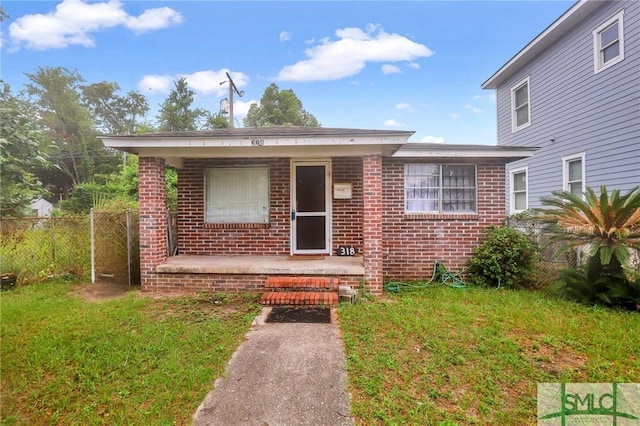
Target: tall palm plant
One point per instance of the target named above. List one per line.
(608, 224)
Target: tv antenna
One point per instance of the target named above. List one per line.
(232, 89)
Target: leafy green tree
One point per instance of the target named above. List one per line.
(21, 153)
(608, 225)
(113, 113)
(176, 113)
(68, 123)
(279, 108)
(218, 121)
(117, 189)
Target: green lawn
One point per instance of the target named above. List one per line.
(126, 361)
(447, 356)
(442, 356)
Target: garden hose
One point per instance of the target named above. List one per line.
(440, 275)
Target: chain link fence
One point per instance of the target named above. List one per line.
(535, 232)
(115, 246)
(104, 244)
(39, 248)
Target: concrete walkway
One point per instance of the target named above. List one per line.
(283, 374)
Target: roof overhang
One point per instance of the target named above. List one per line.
(295, 142)
(501, 153)
(550, 35)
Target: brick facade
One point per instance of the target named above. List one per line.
(394, 244)
(373, 222)
(153, 218)
(195, 237)
(413, 243)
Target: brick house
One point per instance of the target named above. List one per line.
(353, 205)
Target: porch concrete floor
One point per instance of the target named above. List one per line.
(265, 265)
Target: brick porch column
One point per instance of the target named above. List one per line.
(372, 222)
(153, 218)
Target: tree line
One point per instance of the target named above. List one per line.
(49, 144)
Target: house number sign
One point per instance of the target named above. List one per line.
(346, 251)
(257, 142)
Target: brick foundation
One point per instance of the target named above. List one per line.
(190, 284)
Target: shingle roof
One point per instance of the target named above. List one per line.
(278, 131)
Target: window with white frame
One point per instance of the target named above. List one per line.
(520, 105)
(519, 184)
(573, 172)
(237, 195)
(440, 188)
(608, 42)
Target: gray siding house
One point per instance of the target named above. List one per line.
(573, 92)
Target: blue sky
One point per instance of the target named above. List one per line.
(406, 65)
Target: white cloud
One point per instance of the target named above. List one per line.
(241, 108)
(155, 84)
(391, 69)
(414, 65)
(201, 82)
(74, 21)
(153, 19)
(473, 108)
(454, 116)
(404, 106)
(350, 54)
(432, 139)
(207, 82)
(393, 123)
(285, 36)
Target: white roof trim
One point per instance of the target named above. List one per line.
(464, 152)
(558, 28)
(203, 142)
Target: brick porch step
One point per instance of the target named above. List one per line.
(299, 298)
(300, 291)
(302, 283)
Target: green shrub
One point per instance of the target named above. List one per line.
(507, 258)
(597, 284)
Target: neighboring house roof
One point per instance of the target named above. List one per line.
(42, 207)
(299, 142)
(435, 150)
(550, 35)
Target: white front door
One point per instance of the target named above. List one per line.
(310, 206)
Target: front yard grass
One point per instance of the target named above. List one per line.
(441, 356)
(127, 361)
(447, 356)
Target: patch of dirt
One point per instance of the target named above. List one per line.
(553, 361)
(203, 307)
(103, 289)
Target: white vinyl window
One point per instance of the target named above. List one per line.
(520, 105)
(440, 188)
(519, 188)
(237, 195)
(608, 42)
(573, 174)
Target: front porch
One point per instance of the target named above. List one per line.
(264, 265)
(188, 274)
